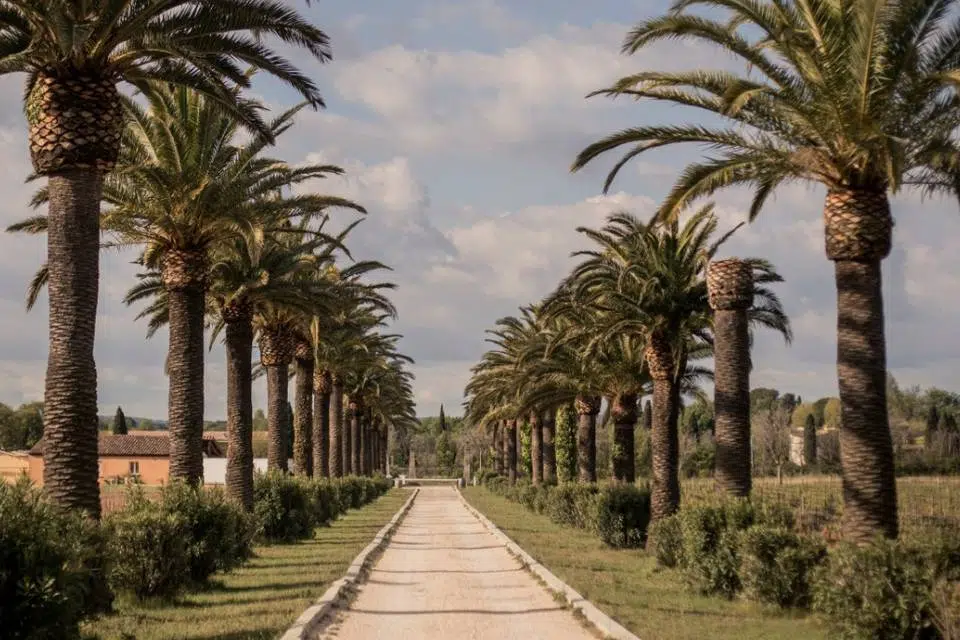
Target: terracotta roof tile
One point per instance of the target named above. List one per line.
(134, 445)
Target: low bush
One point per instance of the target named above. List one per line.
(573, 505)
(52, 567)
(666, 541)
(219, 533)
(882, 591)
(623, 514)
(325, 499)
(282, 507)
(149, 549)
(776, 565)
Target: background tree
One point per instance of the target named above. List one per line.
(566, 443)
(119, 423)
(810, 441)
(446, 454)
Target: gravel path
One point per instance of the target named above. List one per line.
(444, 576)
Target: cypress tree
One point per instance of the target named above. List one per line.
(443, 420)
(933, 422)
(810, 440)
(648, 415)
(119, 423)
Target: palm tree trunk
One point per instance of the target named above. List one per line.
(500, 427)
(321, 424)
(536, 449)
(336, 429)
(730, 285)
(858, 232)
(239, 476)
(303, 417)
(185, 371)
(384, 444)
(511, 432)
(353, 411)
(548, 428)
(364, 445)
(587, 410)
(70, 459)
(277, 379)
(665, 445)
(623, 410)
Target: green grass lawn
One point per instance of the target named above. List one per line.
(627, 584)
(266, 595)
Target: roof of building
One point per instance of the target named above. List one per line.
(16, 454)
(136, 445)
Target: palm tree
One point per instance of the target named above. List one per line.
(649, 281)
(856, 96)
(183, 185)
(75, 54)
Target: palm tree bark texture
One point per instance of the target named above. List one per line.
(730, 287)
(321, 424)
(497, 453)
(587, 408)
(336, 427)
(548, 426)
(354, 411)
(536, 449)
(183, 275)
(75, 122)
(346, 439)
(239, 347)
(624, 413)
(512, 457)
(664, 440)
(276, 352)
(858, 229)
(303, 410)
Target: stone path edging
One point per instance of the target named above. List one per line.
(609, 627)
(311, 618)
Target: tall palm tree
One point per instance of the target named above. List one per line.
(857, 96)
(75, 55)
(650, 280)
(184, 184)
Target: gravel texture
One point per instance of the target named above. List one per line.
(444, 575)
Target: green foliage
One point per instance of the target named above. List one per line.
(810, 441)
(880, 591)
(777, 565)
(566, 443)
(282, 507)
(52, 567)
(288, 507)
(446, 455)
(150, 550)
(617, 513)
(699, 462)
(119, 427)
(623, 514)
(666, 541)
(219, 532)
(643, 452)
(525, 451)
(259, 420)
(20, 429)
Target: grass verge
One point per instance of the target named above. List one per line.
(627, 585)
(266, 595)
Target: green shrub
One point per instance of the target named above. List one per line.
(527, 495)
(351, 493)
(282, 506)
(149, 549)
(220, 535)
(325, 501)
(623, 514)
(709, 535)
(52, 566)
(573, 505)
(776, 565)
(666, 541)
(881, 591)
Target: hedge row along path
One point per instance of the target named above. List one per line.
(444, 575)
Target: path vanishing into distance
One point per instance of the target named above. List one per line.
(444, 575)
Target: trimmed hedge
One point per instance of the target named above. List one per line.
(617, 513)
(289, 507)
(52, 567)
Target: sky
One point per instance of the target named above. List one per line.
(456, 122)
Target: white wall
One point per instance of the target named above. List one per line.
(215, 469)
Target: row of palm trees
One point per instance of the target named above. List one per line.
(634, 318)
(227, 236)
(857, 96)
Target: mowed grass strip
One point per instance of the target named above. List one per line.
(265, 596)
(628, 586)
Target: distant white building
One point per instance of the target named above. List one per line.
(215, 469)
(796, 447)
